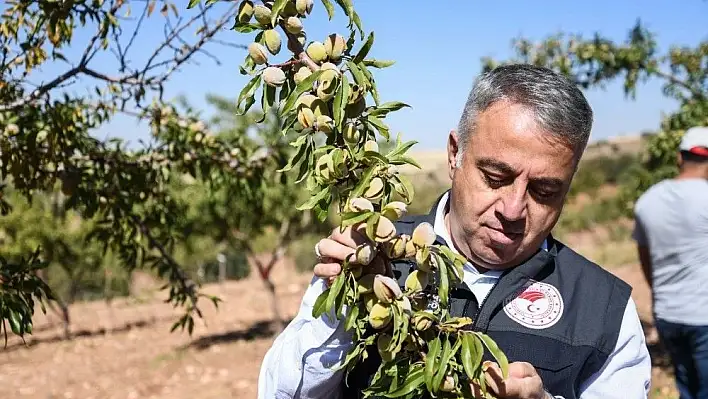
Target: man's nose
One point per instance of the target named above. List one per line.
(513, 203)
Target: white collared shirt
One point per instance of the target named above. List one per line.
(298, 365)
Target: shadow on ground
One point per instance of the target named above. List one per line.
(59, 336)
(261, 329)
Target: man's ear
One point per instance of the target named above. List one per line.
(453, 148)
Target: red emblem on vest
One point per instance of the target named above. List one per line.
(538, 306)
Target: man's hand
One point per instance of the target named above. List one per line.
(523, 382)
(341, 245)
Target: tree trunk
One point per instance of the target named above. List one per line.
(65, 318)
(108, 297)
(277, 318)
(73, 291)
(264, 271)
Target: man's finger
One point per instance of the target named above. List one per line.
(351, 237)
(521, 370)
(330, 248)
(493, 378)
(327, 270)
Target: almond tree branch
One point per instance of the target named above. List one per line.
(673, 79)
(298, 50)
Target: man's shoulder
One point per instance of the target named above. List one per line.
(651, 195)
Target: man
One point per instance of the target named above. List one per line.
(569, 328)
(671, 231)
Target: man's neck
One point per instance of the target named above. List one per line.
(692, 173)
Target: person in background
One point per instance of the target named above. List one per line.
(671, 231)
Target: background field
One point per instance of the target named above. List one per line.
(123, 349)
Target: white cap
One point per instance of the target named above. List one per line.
(695, 141)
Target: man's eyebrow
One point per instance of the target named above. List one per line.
(505, 168)
(497, 165)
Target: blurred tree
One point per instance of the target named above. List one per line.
(229, 218)
(46, 142)
(594, 62)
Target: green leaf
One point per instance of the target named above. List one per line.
(245, 27)
(248, 90)
(330, 8)
(357, 22)
(267, 100)
(404, 159)
(442, 366)
(430, 361)
(363, 183)
(340, 101)
(499, 356)
(278, 6)
(471, 354)
(372, 84)
(401, 148)
(353, 354)
(305, 85)
(15, 323)
(302, 145)
(371, 224)
(192, 3)
(334, 291)
(380, 126)
(346, 6)
(414, 379)
(352, 218)
(350, 321)
(314, 200)
(364, 51)
(385, 108)
(375, 156)
(378, 63)
(319, 307)
(444, 287)
(358, 75)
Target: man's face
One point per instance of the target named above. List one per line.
(509, 191)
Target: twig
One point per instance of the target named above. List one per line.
(671, 78)
(288, 63)
(178, 274)
(297, 49)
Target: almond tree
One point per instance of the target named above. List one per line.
(46, 141)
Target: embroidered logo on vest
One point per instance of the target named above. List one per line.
(538, 306)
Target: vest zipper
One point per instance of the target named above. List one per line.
(475, 319)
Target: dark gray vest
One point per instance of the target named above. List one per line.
(568, 337)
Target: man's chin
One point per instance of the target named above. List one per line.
(495, 258)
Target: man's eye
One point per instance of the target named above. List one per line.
(545, 194)
(494, 180)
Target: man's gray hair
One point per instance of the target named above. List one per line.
(559, 106)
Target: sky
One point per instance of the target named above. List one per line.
(438, 46)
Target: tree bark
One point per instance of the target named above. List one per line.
(264, 271)
(66, 320)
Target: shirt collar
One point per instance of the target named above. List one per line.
(441, 230)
